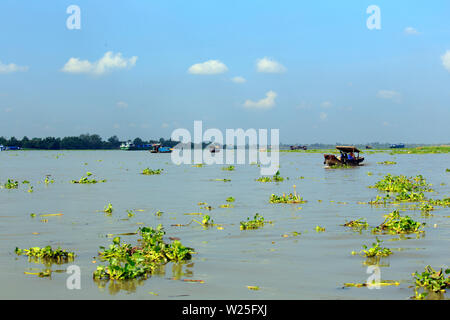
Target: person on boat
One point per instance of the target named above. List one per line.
(351, 156)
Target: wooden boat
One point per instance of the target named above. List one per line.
(347, 157)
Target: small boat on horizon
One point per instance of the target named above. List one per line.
(158, 148)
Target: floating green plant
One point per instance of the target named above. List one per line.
(275, 178)
(230, 199)
(229, 168)
(130, 213)
(357, 225)
(228, 205)
(402, 184)
(11, 184)
(86, 180)
(410, 196)
(224, 180)
(148, 171)
(128, 262)
(373, 284)
(256, 288)
(320, 229)
(158, 213)
(207, 221)
(387, 162)
(375, 251)
(108, 208)
(426, 207)
(47, 180)
(290, 198)
(42, 274)
(394, 223)
(257, 222)
(423, 150)
(47, 253)
(431, 280)
(440, 202)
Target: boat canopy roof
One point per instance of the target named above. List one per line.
(347, 148)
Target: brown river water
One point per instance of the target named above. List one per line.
(312, 265)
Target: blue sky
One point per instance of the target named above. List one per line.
(313, 69)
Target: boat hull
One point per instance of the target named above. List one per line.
(331, 160)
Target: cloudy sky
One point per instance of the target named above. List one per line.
(314, 70)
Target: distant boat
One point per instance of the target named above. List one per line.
(131, 146)
(397, 146)
(3, 148)
(299, 148)
(369, 147)
(158, 148)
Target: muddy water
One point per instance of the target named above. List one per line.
(310, 266)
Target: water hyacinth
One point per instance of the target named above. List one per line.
(148, 171)
(431, 280)
(47, 253)
(394, 223)
(257, 222)
(375, 251)
(357, 225)
(402, 184)
(86, 180)
(11, 184)
(128, 262)
(275, 178)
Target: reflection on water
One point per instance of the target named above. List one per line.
(179, 270)
(115, 286)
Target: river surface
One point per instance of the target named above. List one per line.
(312, 265)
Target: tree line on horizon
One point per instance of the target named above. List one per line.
(83, 141)
(94, 141)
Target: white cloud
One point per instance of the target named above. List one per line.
(122, 104)
(411, 31)
(389, 94)
(239, 80)
(446, 60)
(265, 103)
(326, 104)
(208, 67)
(12, 67)
(323, 116)
(268, 65)
(108, 62)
